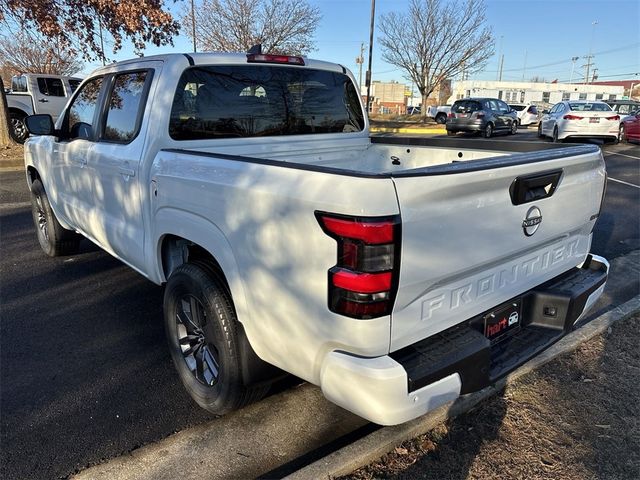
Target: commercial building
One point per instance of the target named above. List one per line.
(387, 97)
(534, 92)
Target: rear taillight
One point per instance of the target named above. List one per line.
(364, 281)
(261, 58)
(615, 118)
(480, 115)
(572, 117)
(451, 115)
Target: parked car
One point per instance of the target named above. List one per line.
(624, 107)
(439, 113)
(580, 118)
(527, 113)
(630, 128)
(395, 273)
(483, 115)
(37, 93)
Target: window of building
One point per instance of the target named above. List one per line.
(546, 96)
(500, 94)
(599, 96)
(612, 98)
(51, 87)
(468, 93)
(566, 96)
(583, 96)
(125, 101)
(522, 96)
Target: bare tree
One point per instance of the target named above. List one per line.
(29, 54)
(281, 26)
(437, 40)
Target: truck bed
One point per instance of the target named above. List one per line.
(390, 156)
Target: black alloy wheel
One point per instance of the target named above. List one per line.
(20, 132)
(488, 130)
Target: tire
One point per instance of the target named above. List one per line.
(202, 332)
(555, 135)
(451, 133)
(514, 128)
(488, 130)
(20, 132)
(441, 118)
(540, 134)
(621, 135)
(54, 239)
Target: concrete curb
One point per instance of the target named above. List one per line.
(375, 445)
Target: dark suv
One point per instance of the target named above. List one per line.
(485, 115)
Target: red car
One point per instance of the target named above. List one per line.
(630, 127)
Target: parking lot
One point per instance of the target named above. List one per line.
(86, 375)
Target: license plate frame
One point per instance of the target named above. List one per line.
(594, 120)
(504, 321)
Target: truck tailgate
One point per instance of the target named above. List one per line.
(477, 237)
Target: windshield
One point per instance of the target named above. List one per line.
(518, 108)
(590, 107)
(250, 100)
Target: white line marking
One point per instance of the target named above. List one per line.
(622, 155)
(625, 183)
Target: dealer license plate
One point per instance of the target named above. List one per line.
(503, 321)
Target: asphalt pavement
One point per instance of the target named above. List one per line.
(85, 374)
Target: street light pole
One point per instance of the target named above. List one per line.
(590, 56)
(193, 25)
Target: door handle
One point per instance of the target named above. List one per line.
(127, 172)
(43, 100)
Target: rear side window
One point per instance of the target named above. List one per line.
(124, 107)
(251, 101)
(466, 106)
(74, 83)
(79, 121)
(517, 108)
(533, 110)
(51, 87)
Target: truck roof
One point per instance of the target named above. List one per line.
(212, 58)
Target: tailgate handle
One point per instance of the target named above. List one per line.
(530, 188)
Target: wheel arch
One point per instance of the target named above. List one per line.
(210, 247)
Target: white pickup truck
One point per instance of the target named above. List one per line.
(395, 273)
(33, 93)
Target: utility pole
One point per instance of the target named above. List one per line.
(501, 65)
(500, 56)
(360, 61)
(573, 67)
(587, 66)
(193, 25)
(368, 79)
(524, 70)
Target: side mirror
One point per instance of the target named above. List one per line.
(545, 112)
(41, 124)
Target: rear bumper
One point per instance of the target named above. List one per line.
(474, 126)
(421, 377)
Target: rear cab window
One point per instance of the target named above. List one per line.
(254, 100)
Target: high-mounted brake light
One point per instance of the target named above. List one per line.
(364, 281)
(266, 58)
(572, 117)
